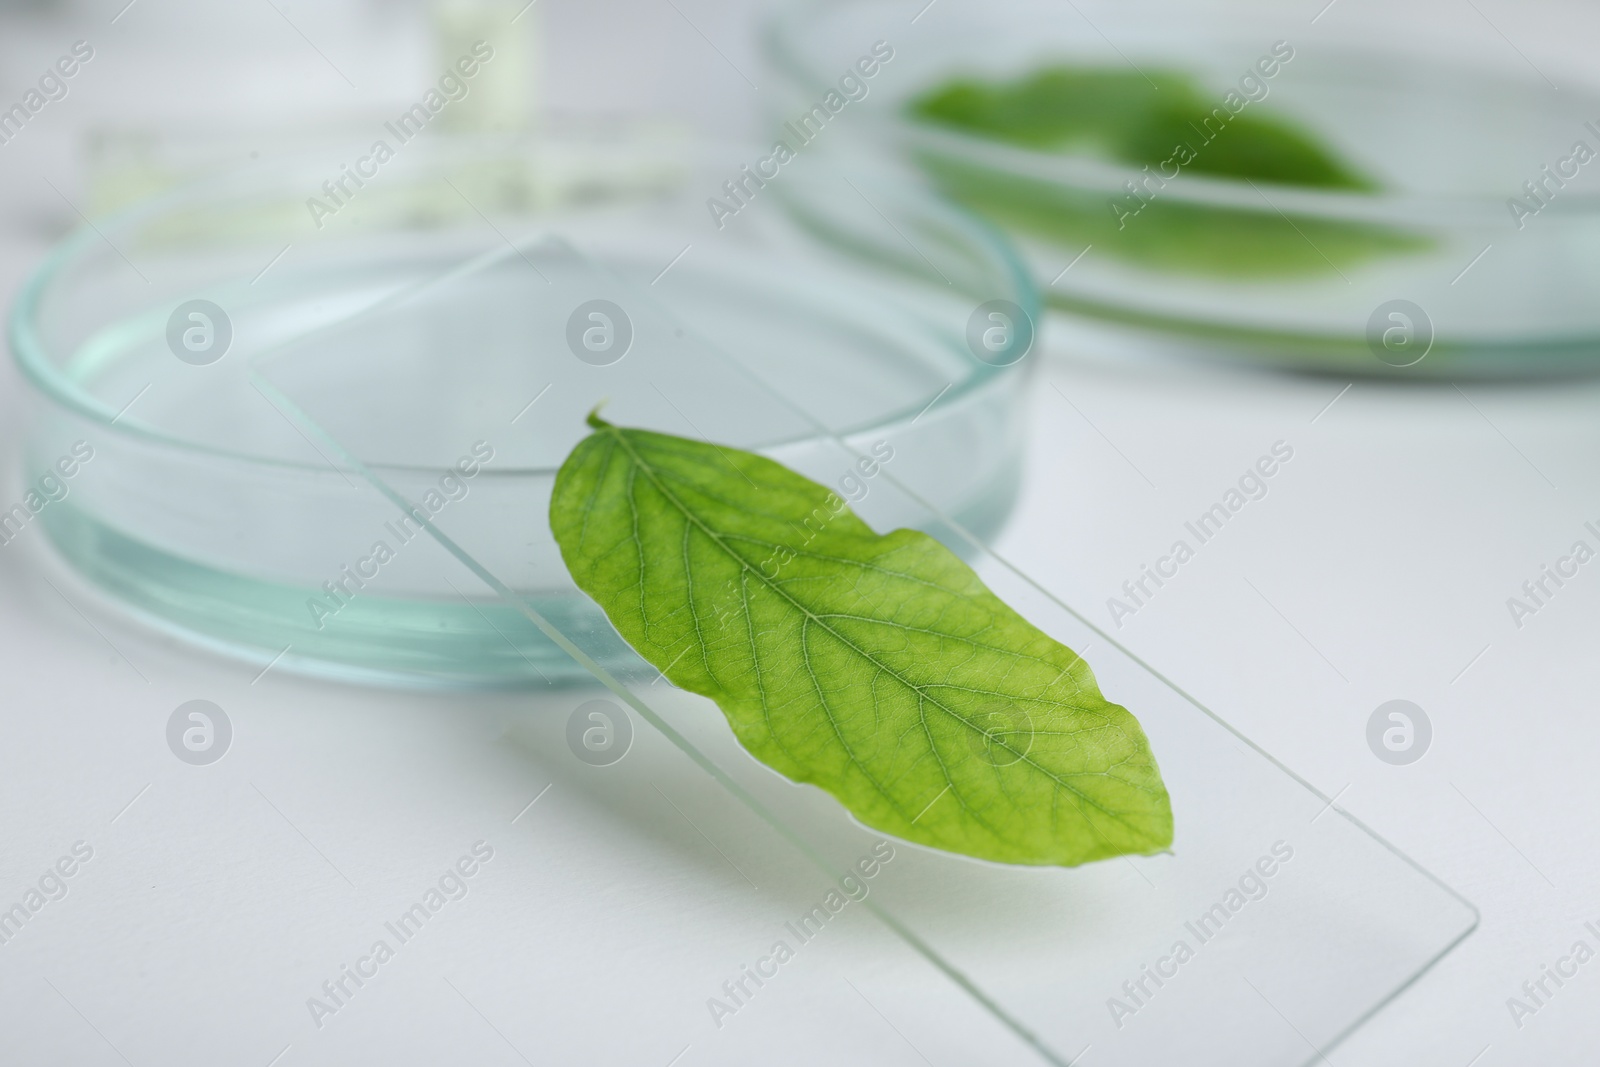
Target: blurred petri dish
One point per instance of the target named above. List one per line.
(1373, 205)
(207, 512)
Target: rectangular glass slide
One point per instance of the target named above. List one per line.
(1276, 924)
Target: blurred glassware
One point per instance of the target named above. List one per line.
(1357, 212)
(502, 98)
(131, 159)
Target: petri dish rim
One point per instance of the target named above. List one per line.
(43, 368)
(784, 45)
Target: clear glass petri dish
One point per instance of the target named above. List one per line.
(206, 510)
(1413, 245)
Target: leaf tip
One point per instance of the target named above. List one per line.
(593, 418)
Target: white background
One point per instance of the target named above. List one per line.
(1381, 562)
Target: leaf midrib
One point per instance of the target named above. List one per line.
(640, 463)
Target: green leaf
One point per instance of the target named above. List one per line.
(1137, 118)
(879, 668)
(1154, 119)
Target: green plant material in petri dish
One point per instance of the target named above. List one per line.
(1164, 122)
(877, 667)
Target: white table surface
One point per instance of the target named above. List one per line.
(1387, 550)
